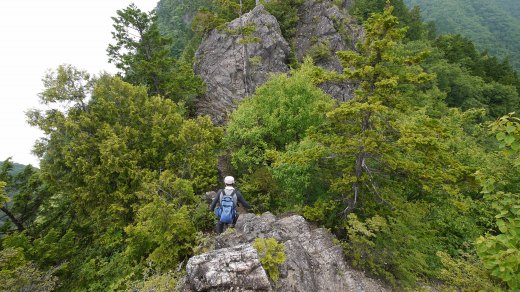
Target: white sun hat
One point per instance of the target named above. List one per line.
(229, 180)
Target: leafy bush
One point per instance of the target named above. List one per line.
(466, 273)
(500, 252)
(272, 254)
(400, 247)
(279, 113)
(162, 234)
(320, 52)
(154, 280)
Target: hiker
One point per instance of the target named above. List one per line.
(227, 199)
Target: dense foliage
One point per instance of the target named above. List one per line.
(16, 167)
(143, 56)
(471, 79)
(493, 25)
(411, 19)
(115, 161)
(276, 117)
(418, 175)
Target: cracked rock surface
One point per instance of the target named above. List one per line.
(314, 262)
(233, 64)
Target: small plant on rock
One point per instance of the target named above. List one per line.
(272, 255)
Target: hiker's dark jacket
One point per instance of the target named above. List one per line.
(240, 199)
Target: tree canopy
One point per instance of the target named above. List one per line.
(417, 175)
(494, 26)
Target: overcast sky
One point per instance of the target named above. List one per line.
(37, 35)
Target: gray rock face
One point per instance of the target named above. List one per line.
(322, 31)
(236, 268)
(233, 64)
(314, 263)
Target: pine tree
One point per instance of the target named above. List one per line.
(363, 132)
(141, 52)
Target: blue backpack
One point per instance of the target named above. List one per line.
(226, 212)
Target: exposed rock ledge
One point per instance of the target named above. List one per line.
(314, 262)
(233, 67)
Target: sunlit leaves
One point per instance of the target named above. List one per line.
(279, 113)
(501, 252)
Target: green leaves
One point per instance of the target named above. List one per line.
(507, 129)
(18, 274)
(125, 167)
(272, 255)
(162, 234)
(278, 114)
(143, 56)
(3, 196)
(501, 252)
(265, 126)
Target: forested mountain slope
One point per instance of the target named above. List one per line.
(17, 168)
(512, 6)
(492, 25)
(416, 173)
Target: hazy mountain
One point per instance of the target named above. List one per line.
(492, 25)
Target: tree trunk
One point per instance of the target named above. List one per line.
(11, 216)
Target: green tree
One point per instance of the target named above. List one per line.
(175, 19)
(18, 274)
(364, 129)
(3, 196)
(286, 12)
(279, 114)
(140, 52)
(397, 158)
(363, 9)
(467, 91)
(500, 250)
(143, 56)
(5, 182)
(98, 155)
(31, 195)
(492, 25)
(460, 50)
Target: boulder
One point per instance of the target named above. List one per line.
(313, 261)
(322, 30)
(235, 268)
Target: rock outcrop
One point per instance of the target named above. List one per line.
(233, 62)
(322, 31)
(314, 262)
(235, 267)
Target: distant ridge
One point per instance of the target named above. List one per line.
(17, 168)
(493, 25)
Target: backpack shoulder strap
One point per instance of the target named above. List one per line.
(235, 198)
(220, 193)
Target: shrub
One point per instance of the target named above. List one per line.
(272, 254)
